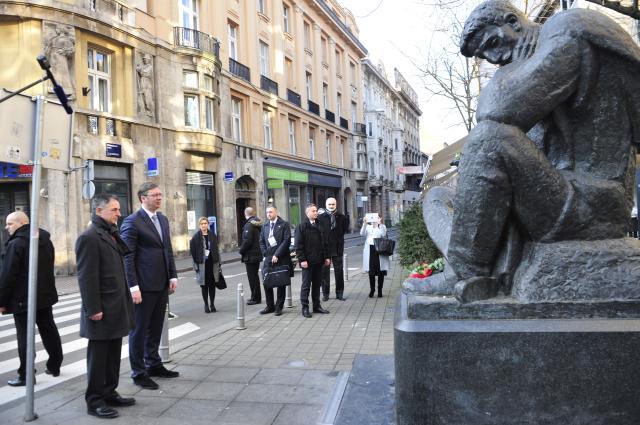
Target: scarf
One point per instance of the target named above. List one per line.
(113, 231)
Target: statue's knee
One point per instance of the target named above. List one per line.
(493, 136)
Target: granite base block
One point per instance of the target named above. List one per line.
(505, 371)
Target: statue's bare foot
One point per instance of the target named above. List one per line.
(476, 289)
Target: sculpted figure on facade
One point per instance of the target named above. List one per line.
(547, 175)
(60, 48)
(144, 70)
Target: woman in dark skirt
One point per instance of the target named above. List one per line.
(372, 262)
(206, 262)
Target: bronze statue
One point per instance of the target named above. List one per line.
(551, 162)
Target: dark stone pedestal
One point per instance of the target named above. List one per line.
(479, 371)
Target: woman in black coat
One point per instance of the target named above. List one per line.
(206, 262)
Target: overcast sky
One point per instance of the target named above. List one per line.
(398, 32)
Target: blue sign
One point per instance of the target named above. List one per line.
(213, 224)
(12, 171)
(228, 176)
(152, 167)
(114, 150)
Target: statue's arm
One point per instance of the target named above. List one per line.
(523, 94)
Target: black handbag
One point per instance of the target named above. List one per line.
(221, 283)
(276, 276)
(384, 246)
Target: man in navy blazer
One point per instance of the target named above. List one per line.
(151, 275)
(275, 239)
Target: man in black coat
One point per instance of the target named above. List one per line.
(251, 253)
(14, 280)
(107, 308)
(335, 225)
(275, 239)
(312, 252)
(151, 275)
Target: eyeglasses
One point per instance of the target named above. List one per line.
(155, 195)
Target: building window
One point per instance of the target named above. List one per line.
(352, 69)
(285, 18)
(115, 179)
(262, 8)
(191, 111)
(266, 125)
(236, 118)
(342, 153)
(208, 82)
(354, 114)
(288, 66)
(92, 124)
(264, 58)
(312, 143)
(233, 40)
(323, 45)
(99, 72)
(327, 147)
(325, 91)
(307, 36)
(339, 104)
(292, 137)
(308, 84)
(110, 127)
(370, 126)
(190, 79)
(338, 63)
(396, 144)
(208, 113)
(372, 166)
(189, 13)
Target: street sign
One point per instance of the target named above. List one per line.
(228, 176)
(412, 169)
(152, 167)
(88, 190)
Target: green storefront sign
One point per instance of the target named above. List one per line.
(284, 174)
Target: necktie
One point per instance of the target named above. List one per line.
(333, 221)
(154, 219)
(271, 229)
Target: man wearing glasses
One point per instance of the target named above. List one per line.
(151, 275)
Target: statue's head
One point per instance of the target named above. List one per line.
(492, 31)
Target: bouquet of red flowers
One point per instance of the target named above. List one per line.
(424, 270)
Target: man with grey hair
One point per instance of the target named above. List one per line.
(335, 226)
(14, 284)
(251, 254)
(107, 308)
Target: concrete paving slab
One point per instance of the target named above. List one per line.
(240, 413)
(215, 391)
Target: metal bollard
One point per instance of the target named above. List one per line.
(163, 349)
(287, 297)
(345, 267)
(240, 325)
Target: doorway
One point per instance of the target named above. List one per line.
(13, 197)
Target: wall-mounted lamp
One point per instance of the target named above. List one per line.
(85, 91)
(177, 195)
(44, 193)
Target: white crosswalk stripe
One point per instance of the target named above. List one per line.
(71, 349)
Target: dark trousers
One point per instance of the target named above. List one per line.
(50, 339)
(254, 281)
(268, 295)
(103, 370)
(311, 279)
(338, 273)
(144, 340)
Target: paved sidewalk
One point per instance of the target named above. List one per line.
(280, 370)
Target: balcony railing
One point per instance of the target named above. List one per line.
(360, 128)
(330, 116)
(268, 85)
(187, 37)
(112, 8)
(344, 123)
(242, 71)
(314, 107)
(294, 98)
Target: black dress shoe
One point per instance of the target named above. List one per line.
(252, 302)
(278, 312)
(340, 297)
(305, 312)
(213, 308)
(371, 293)
(103, 412)
(145, 382)
(206, 309)
(162, 372)
(53, 373)
(18, 382)
(325, 298)
(117, 400)
(320, 310)
(267, 310)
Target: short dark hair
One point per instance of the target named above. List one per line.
(144, 188)
(102, 199)
(309, 206)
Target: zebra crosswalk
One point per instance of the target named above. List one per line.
(66, 314)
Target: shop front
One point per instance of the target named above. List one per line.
(14, 192)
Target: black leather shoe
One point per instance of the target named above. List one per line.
(206, 309)
(103, 412)
(325, 298)
(252, 302)
(340, 297)
(18, 382)
(278, 312)
(53, 373)
(305, 312)
(320, 310)
(117, 400)
(267, 310)
(145, 382)
(162, 372)
(213, 308)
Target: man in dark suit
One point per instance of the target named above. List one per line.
(312, 252)
(107, 308)
(275, 239)
(151, 274)
(14, 283)
(335, 225)
(251, 253)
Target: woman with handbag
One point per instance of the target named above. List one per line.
(372, 262)
(206, 262)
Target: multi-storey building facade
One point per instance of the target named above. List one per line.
(392, 132)
(224, 104)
